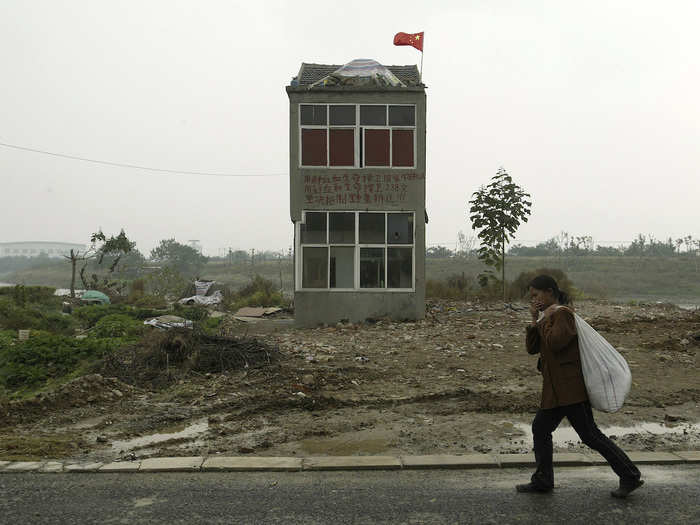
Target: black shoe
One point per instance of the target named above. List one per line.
(532, 487)
(626, 487)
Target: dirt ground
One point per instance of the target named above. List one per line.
(459, 381)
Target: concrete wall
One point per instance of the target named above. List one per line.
(315, 307)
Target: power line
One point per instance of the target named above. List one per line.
(137, 167)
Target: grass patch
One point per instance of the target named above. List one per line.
(90, 315)
(28, 364)
(24, 447)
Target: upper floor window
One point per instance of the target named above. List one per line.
(357, 135)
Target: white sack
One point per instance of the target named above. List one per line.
(605, 371)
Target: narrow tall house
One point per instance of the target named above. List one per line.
(357, 192)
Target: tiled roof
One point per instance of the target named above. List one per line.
(310, 73)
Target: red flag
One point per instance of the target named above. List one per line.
(409, 39)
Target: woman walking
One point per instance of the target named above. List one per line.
(552, 334)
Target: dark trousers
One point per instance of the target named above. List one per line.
(580, 416)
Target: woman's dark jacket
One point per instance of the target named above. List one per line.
(555, 339)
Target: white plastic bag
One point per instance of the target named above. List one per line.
(605, 371)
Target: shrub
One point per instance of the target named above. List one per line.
(455, 286)
(90, 315)
(193, 313)
(57, 323)
(14, 317)
(519, 287)
(259, 292)
(29, 294)
(7, 337)
(165, 281)
(211, 325)
(118, 325)
(137, 287)
(46, 356)
(18, 318)
(148, 301)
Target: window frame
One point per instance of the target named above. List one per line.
(359, 136)
(299, 263)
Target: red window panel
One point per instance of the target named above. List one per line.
(376, 147)
(313, 147)
(342, 145)
(402, 147)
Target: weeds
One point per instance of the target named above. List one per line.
(259, 292)
(47, 356)
(118, 325)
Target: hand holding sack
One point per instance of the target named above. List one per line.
(605, 372)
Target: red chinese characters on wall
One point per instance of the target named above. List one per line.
(356, 188)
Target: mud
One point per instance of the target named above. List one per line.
(459, 381)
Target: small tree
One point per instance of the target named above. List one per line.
(74, 257)
(181, 257)
(114, 248)
(496, 212)
(111, 252)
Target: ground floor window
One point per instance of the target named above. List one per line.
(354, 250)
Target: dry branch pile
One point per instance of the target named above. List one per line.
(162, 357)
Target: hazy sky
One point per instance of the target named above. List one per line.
(592, 108)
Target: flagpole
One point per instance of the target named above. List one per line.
(420, 75)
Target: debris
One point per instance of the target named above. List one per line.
(206, 300)
(202, 287)
(362, 359)
(166, 322)
(65, 292)
(249, 311)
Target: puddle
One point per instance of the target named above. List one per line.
(371, 441)
(189, 432)
(564, 435)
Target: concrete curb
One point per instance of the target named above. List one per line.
(329, 463)
(244, 464)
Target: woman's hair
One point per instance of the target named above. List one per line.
(546, 282)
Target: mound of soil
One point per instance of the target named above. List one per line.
(92, 389)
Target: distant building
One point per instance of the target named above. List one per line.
(357, 191)
(37, 248)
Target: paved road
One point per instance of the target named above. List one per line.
(671, 495)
